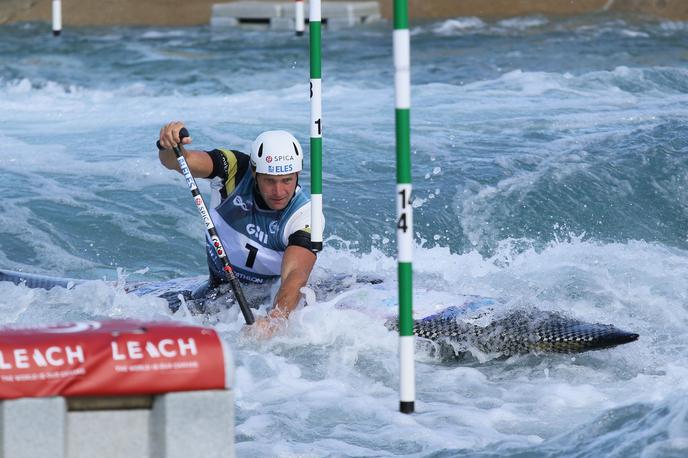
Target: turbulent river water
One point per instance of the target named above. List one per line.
(550, 170)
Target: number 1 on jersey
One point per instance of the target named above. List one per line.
(252, 253)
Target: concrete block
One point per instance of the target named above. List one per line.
(350, 9)
(223, 22)
(278, 15)
(193, 424)
(33, 428)
(179, 425)
(249, 10)
(108, 433)
(282, 23)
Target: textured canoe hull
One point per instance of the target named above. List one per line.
(517, 332)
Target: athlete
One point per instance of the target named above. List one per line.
(260, 212)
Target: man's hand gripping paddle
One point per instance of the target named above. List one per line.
(217, 244)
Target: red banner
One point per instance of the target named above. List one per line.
(109, 358)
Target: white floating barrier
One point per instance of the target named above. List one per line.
(281, 15)
(115, 388)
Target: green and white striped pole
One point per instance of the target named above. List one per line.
(315, 26)
(402, 88)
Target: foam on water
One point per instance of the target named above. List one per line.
(336, 363)
(549, 172)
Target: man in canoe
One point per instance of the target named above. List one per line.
(260, 212)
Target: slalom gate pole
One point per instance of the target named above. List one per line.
(299, 21)
(314, 30)
(212, 232)
(402, 89)
(57, 17)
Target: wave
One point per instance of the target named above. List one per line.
(613, 188)
(590, 26)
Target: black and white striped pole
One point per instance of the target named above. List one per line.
(299, 20)
(314, 30)
(210, 229)
(402, 89)
(57, 17)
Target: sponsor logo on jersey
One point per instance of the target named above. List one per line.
(274, 225)
(239, 202)
(248, 277)
(268, 159)
(257, 233)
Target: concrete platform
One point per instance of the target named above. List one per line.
(173, 425)
(280, 15)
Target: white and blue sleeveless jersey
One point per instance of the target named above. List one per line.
(255, 238)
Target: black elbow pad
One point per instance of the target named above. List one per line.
(300, 238)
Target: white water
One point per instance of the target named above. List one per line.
(539, 182)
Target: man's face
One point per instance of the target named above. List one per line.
(276, 190)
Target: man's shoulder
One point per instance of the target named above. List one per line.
(229, 163)
(299, 209)
(230, 154)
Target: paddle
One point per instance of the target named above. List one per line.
(217, 244)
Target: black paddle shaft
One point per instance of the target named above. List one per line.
(212, 232)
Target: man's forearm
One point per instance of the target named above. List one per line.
(168, 159)
(289, 293)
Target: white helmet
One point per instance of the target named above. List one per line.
(276, 152)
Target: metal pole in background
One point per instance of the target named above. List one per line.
(402, 89)
(314, 30)
(57, 17)
(298, 17)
